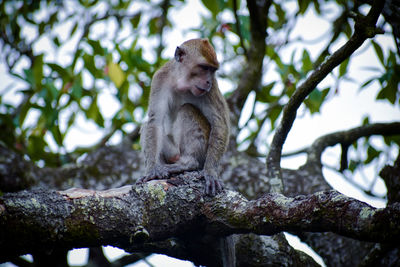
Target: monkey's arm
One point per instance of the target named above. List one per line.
(217, 144)
(151, 136)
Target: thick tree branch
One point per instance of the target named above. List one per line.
(391, 12)
(364, 28)
(391, 176)
(105, 167)
(114, 166)
(252, 73)
(131, 217)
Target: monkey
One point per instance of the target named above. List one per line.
(188, 119)
(191, 133)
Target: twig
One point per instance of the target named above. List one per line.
(357, 185)
(348, 137)
(164, 16)
(238, 30)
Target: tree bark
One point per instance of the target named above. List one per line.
(135, 217)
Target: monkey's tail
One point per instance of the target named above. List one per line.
(228, 251)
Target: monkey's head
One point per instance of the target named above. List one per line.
(197, 63)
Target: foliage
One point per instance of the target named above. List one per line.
(91, 62)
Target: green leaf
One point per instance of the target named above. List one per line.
(317, 7)
(307, 63)
(71, 120)
(56, 41)
(353, 165)
(29, 77)
(97, 49)
(74, 29)
(22, 114)
(93, 113)
(388, 92)
(244, 27)
(36, 145)
(379, 52)
(271, 53)
(37, 71)
(347, 30)
(274, 114)
(52, 90)
(316, 99)
(343, 67)
(58, 137)
(303, 5)
(116, 74)
(372, 153)
(76, 90)
(153, 25)
(215, 6)
(135, 20)
(89, 64)
(264, 95)
(365, 84)
(390, 140)
(230, 3)
(281, 15)
(365, 120)
(64, 74)
(77, 56)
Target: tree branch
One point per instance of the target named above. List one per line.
(111, 167)
(252, 73)
(104, 167)
(238, 30)
(163, 22)
(348, 137)
(133, 216)
(364, 28)
(391, 176)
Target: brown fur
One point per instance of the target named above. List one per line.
(188, 123)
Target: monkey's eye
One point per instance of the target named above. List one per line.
(207, 68)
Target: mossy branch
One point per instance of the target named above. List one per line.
(132, 217)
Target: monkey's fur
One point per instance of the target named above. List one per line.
(188, 124)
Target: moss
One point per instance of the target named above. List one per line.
(81, 231)
(283, 202)
(157, 192)
(366, 213)
(35, 203)
(339, 197)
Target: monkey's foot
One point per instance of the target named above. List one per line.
(144, 179)
(213, 185)
(157, 173)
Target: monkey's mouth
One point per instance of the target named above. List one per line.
(200, 91)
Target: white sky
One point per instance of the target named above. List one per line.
(343, 111)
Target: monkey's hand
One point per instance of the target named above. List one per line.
(213, 184)
(158, 172)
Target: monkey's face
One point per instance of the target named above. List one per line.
(201, 79)
(197, 63)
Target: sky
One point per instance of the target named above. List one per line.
(344, 110)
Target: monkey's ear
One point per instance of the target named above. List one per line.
(179, 53)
